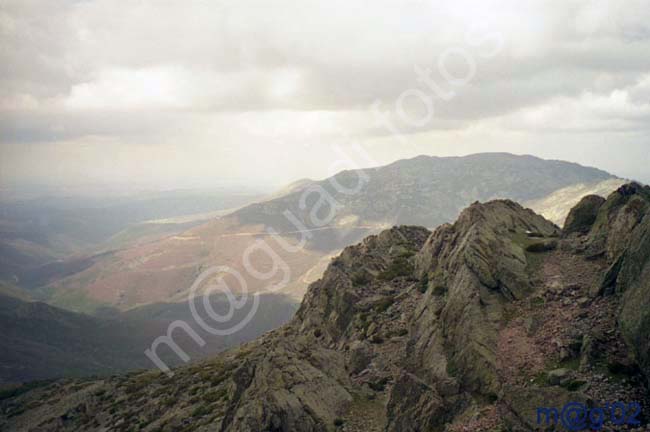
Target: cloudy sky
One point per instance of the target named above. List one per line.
(175, 93)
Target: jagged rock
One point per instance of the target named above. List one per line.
(378, 349)
(608, 283)
(482, 262)
(582, 217)
(360, 356)
(634, 282)
(591, 351)
(622, 231)
(617, 218)
(414, 406)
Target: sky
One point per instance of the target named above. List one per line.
(178, 93)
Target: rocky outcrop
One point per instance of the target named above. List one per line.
(622, 234)
(471, 327)
(634, 281)
(556, 206)
(471, 268)
(617, 218)
(583, 216)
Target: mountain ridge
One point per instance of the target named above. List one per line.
(419, 170)
(42, 342)
(420, 191)
(470, 327)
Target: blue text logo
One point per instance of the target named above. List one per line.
(576, 416)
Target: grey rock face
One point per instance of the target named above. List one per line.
(617, 218)
(622, 232)
(481, 260)
(634, 282)
(582, 217)
(415, 406)
(407, 331)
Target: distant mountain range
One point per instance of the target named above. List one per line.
(141, 282)
(556, 206)
(476, 326)
(42, 342)
(426, 191)
(421, 191)
(37, 231)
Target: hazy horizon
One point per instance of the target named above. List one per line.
(171, 95)
(233, 186)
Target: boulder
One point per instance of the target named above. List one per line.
(634, 283)
(414, 406)
(582, 217)
(558, 376)
(617, 219)
(360, 357)
(622, 233)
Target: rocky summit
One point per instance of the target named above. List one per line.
(471, 327)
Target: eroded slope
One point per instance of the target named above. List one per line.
(471, 327)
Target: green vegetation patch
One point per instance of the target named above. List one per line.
(399, 267)
(384, 304)
(360, 278)
(14, 391)
(216, 396)
(423, 286)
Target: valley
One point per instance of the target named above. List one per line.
(141, 277)
(474, 325)
(425, 191)
(309, 216)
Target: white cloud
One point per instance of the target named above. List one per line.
(616, 111)
(182, 74)
(120, 88)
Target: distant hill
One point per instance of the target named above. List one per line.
(9, 290)
(421, 191)
(477, 326)
(40, 342)
(426, 191)
(556, 206)
(43, 342)
(37, 232)
(292, 187)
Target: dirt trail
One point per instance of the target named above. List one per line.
(549, 329)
